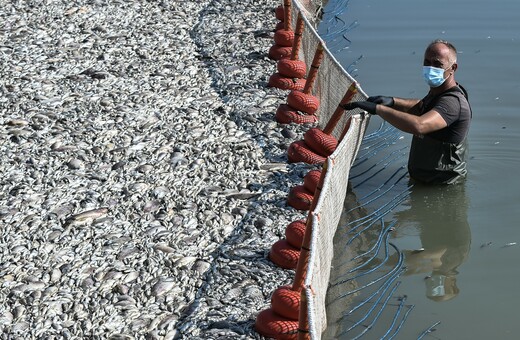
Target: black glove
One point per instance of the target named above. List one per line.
(365, 106)
(386, 101)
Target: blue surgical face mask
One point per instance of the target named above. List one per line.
(434, 76)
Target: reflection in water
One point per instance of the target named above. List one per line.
(440, 216)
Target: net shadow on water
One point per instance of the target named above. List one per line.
(363, 298)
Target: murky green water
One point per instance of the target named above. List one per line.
(466, 232)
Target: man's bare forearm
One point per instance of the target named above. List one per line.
(412, 106)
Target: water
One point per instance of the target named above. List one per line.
(464, 231)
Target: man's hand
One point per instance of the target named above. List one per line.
(386, 101)
(367, 106)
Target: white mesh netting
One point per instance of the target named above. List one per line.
(330, 87)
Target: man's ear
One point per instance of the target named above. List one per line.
(454, 67)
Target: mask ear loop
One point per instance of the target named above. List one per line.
(452, 72)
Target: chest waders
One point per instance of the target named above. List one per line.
(435, 162)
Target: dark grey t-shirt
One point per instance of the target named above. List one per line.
(456, 112)
(440, 157)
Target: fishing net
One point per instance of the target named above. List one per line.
(351, 283)
(362, 288)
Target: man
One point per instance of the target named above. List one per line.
(439, 122)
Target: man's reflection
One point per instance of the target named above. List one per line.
(440, 216)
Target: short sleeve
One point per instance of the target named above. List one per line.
(449, 108)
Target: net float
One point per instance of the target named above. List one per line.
(300, 198)
(284, 37)
(285, 83)
(272, 325)
(310, 180)
(284, 255)
(286, 115)
(286, 302)
(320, 142)
(299, 152)
(294, 233)
(292, 68)
(279, 13)
(277, 52)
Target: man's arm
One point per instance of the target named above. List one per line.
(412, 106)
(408, 122)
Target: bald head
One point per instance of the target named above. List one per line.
(443, 48)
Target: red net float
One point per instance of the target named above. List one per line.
(285, 83)
(320, 142)
(279, 26)
(294, 233)
(284, 255)
(277, 52)
(286, 302)
(300, 152)
(292, 68)
(284, 37)
(303, 102)
(286, 115)
(272, 325)
(279, 13)
(310, 181)
(299, 198)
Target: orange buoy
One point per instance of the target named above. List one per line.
(311, 179)
(277, 52)
(294, 233)
(284, 37)
(302, 101)
(299, 152)
(292, 68)
(320, 142)
(286, 302)
(284, 255)
(272, 325)
(279, 13)
(285, 83)
(286, 115)
(299, 198)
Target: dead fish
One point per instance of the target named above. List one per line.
(96, 74)
(86, 216)
(273, 167)
(17, 122)
(164, 248)
(162, 287)
(151, 206)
